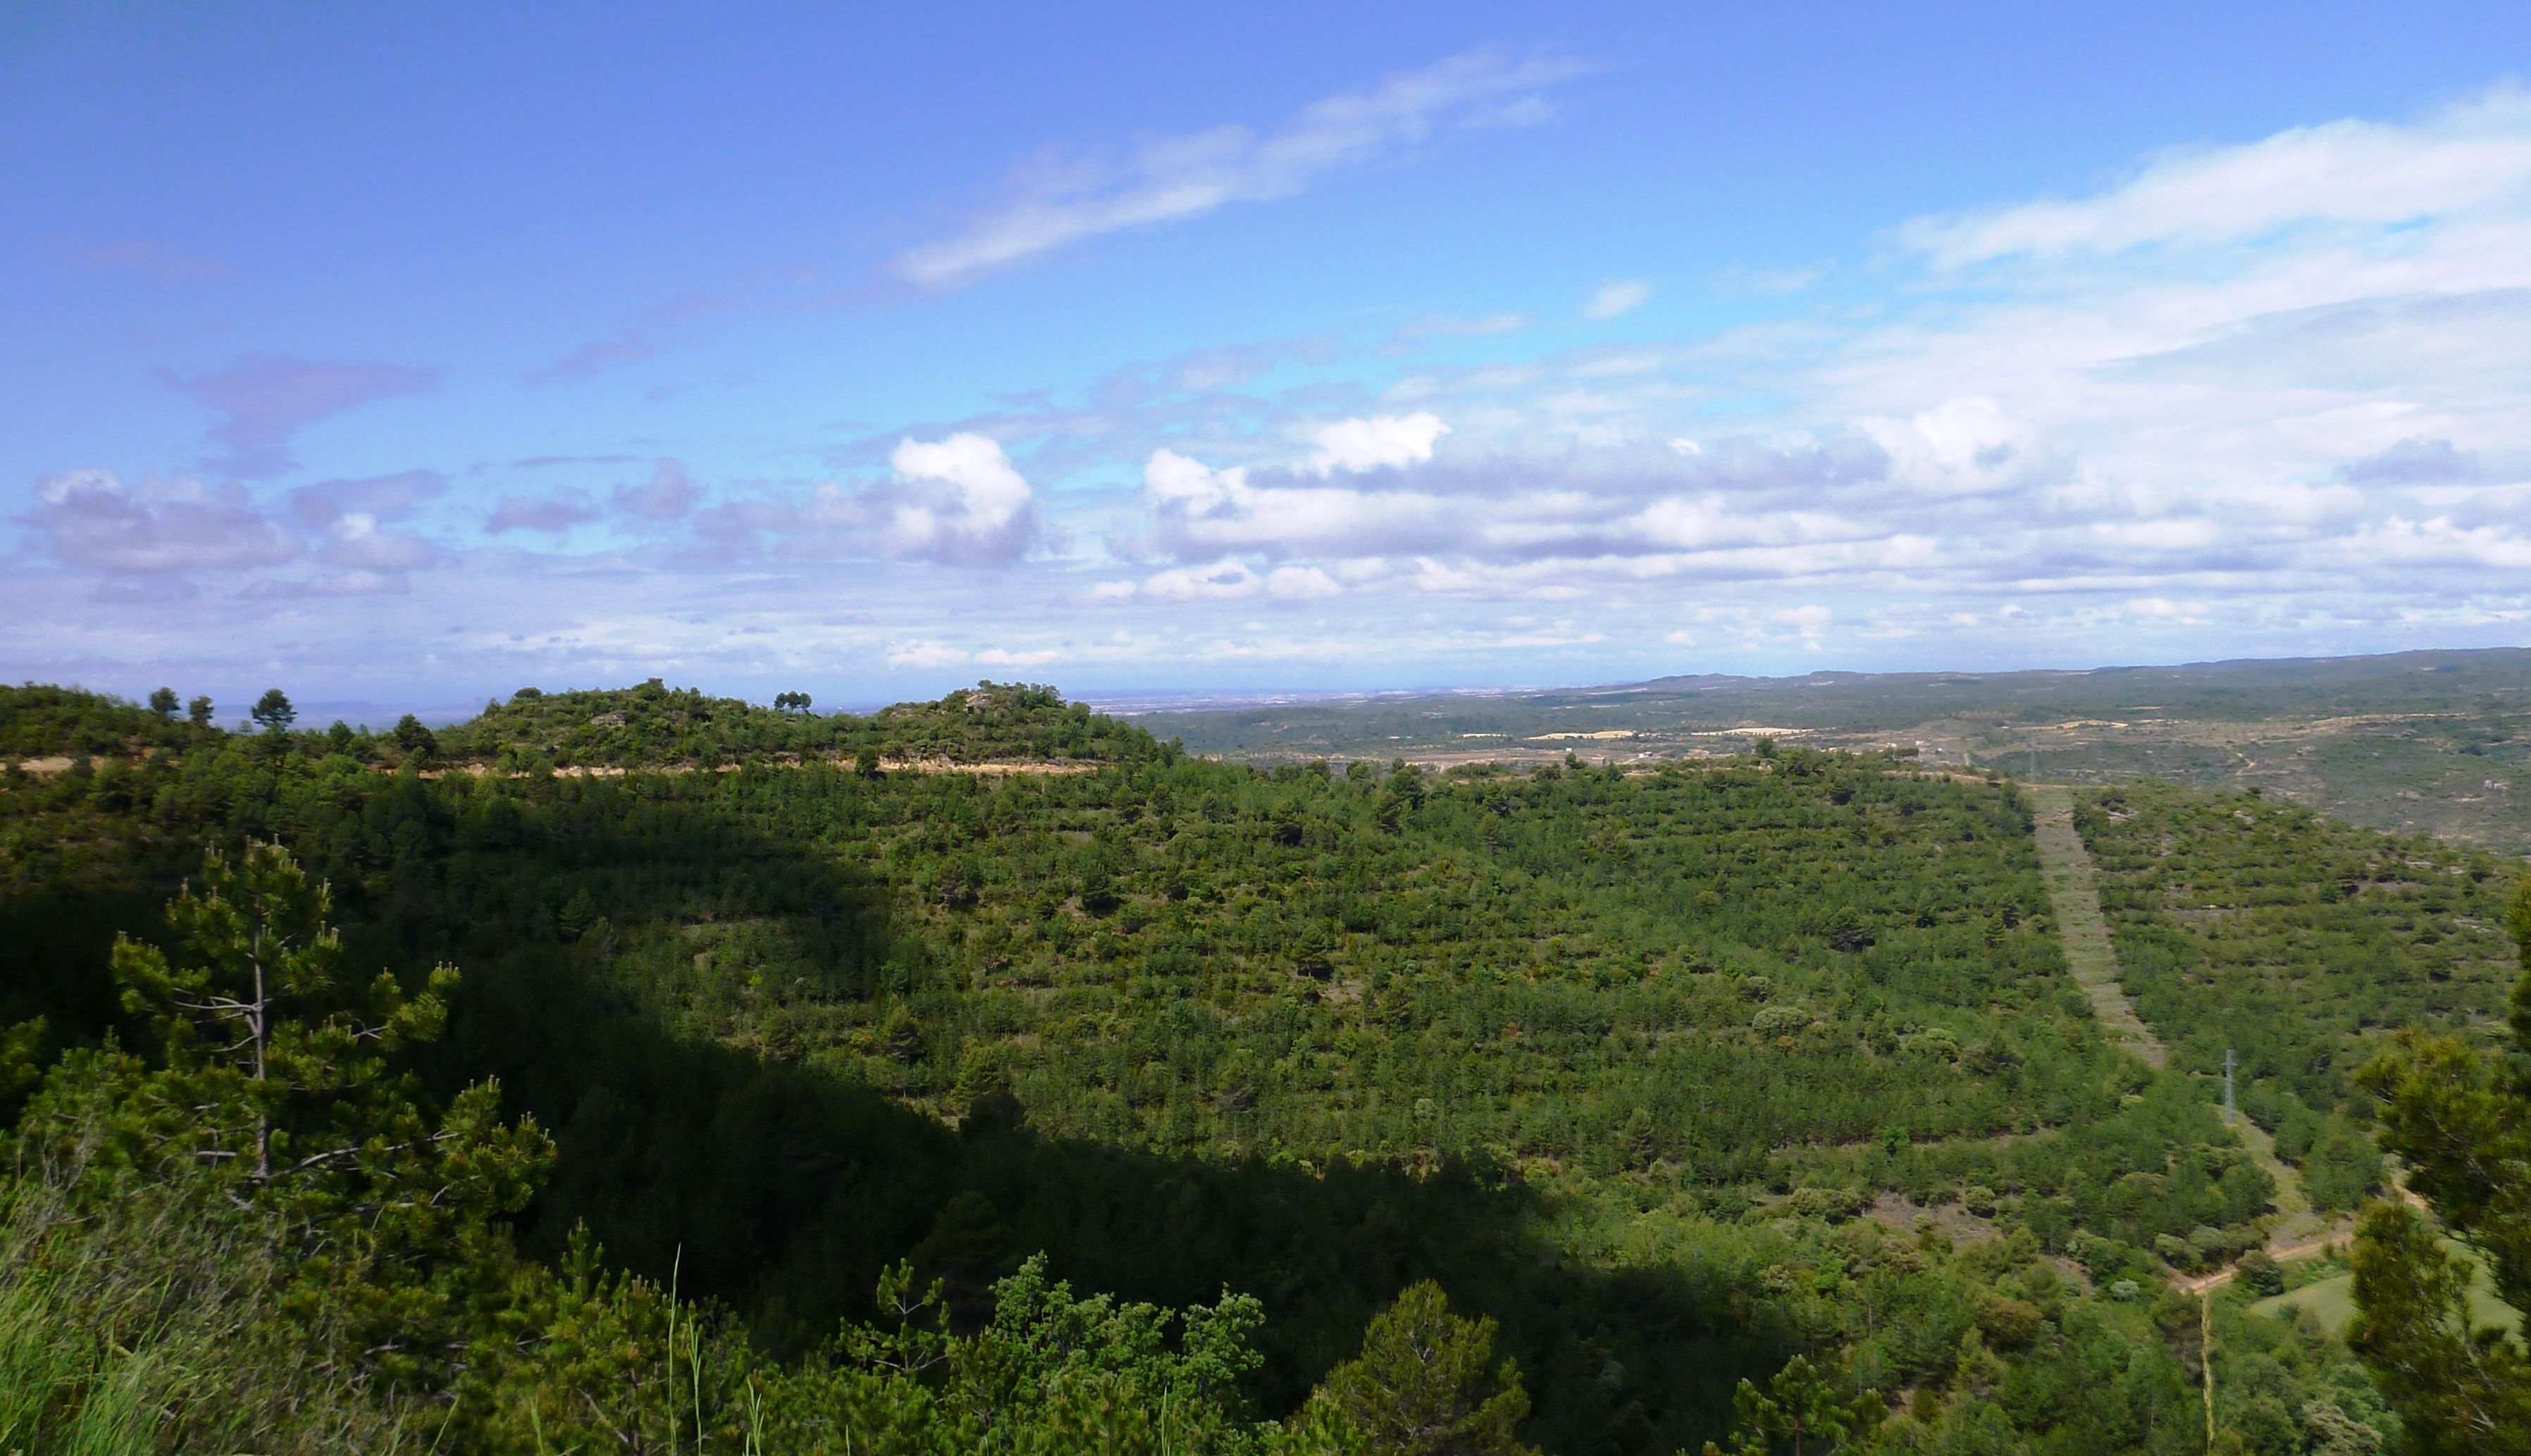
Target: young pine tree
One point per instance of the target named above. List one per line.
(1427, 1384)
(272, 1078)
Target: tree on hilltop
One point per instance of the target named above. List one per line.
(272, 711)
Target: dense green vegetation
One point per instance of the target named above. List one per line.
(2458, 1114)
(1674, 1074)
(2297, 943)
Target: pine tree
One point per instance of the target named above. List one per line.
(272, 711)
(1426, 1384)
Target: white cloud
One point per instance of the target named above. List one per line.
(954, 501)
(1960, 447)
(2160, 536)
(2163, 608)
(1301, 584)
(1061, 201)
(1172, 478)
(1810, 620)
(1220, 580)
(1385, 441)
(91, 518)
(983, 514)
(2440, 542)
(1033, 657)
(1624, 295)
(2101, 447)
(360, 542)
(1201, 512)
(923, 654)
(2348, 172)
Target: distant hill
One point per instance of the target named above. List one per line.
(2435, 741)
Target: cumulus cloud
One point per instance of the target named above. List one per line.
(668, 495)
(356, 541)
(91, 518)
(2412, 462)
(956, 501)
(1808, 620)
(1385, 442)
(266, 399)
(1059, 200)
(1623, 295)
(1960, 447)
(1198, 512)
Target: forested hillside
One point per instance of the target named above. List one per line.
(1676, 1072)
(2298, 944)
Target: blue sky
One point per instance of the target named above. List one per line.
(407, 356)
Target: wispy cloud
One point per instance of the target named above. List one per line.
(1062, 199)
(2348, 172)
(1445, 326)
(265, 399)
(551, 515)
(650, 332)
(157, 262)
(1624, 295)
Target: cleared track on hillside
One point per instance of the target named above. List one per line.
(2074, 893)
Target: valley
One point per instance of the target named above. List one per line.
(1673, 1067)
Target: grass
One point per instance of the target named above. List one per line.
(2333, 1300)
(141, 1321)
(67, 1384)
